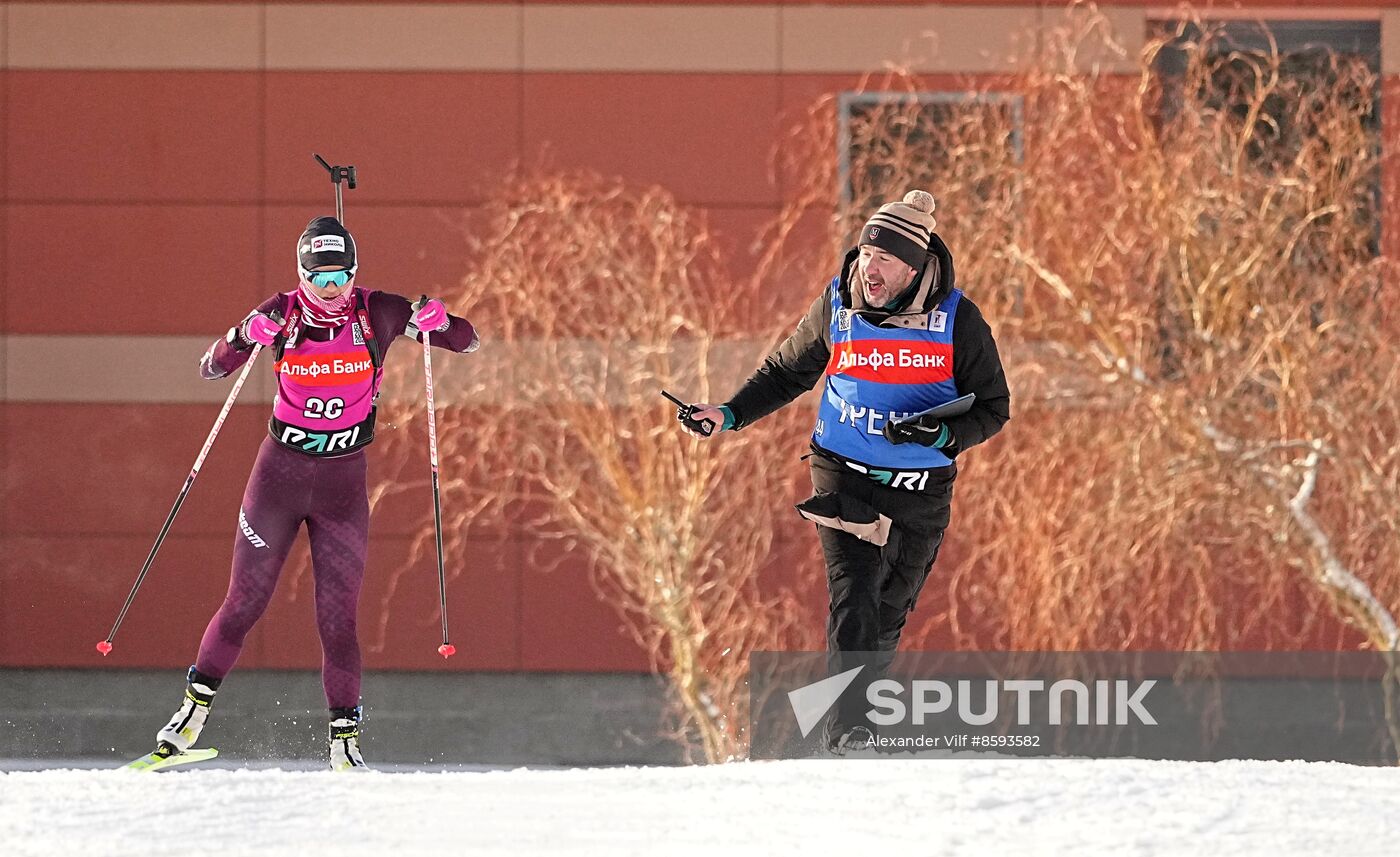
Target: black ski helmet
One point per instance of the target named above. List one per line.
(325, 242)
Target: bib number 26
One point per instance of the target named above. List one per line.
(323, 408)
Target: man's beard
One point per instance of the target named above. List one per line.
(890, 295)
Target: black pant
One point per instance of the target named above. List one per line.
(873, 588)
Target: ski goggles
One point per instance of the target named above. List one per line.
(327, 279)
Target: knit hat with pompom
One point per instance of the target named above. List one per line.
(903, 228)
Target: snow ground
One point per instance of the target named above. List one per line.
(813, 807)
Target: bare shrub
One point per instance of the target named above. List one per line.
(1182, 271)
(592, 298)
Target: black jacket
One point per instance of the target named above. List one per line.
(799, 363)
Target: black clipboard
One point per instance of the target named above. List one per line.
(957, 407)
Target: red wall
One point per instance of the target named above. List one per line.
(167, 203)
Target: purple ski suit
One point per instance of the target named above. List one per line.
(311, 468)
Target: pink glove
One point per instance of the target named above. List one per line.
(260, 329)
(432, 316)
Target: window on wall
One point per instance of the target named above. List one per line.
(1311, 53)
(1298, 39)
(1305, 48)
(889, 142)
(967, 144)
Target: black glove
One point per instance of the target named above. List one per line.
(925, 431)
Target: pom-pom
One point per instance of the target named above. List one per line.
(920, 200)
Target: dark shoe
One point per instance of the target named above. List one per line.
(853, 739)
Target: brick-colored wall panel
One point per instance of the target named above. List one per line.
(737, 232)
(373, 36)
(413, 137)
(134, 35)
(675, 37)
(62, 592)
(4, 135)
(796, 566)
(115, 470)
(119, 370)
(564, 623)
(1390, 171)
(150, 269)
(402, 448)
(134, 136)
(707, 137)
(926, 37)
(399, 620)
(806, 264)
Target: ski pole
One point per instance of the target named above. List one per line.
(447, 650)
(106, 645)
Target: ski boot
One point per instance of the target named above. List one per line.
(345, 739)
(851, 741)
(184, 728)
(844, 740)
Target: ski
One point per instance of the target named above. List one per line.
(166, 756)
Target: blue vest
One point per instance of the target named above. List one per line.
(876, 373)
